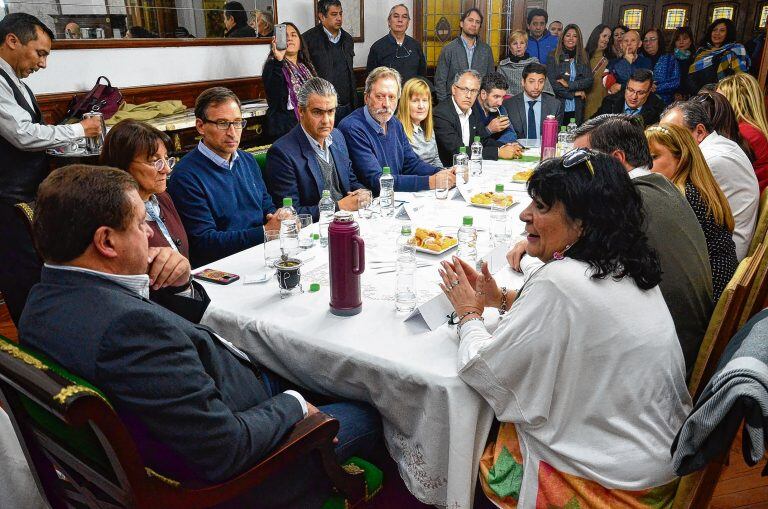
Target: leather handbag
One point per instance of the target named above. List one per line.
(103, 98)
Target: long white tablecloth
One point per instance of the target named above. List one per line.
(435, 426)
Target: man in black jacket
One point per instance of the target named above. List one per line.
(200, 409)
(456, 125)
(236, 21)
(332, 50)
(636, 99)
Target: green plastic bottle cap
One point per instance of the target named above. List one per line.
(405, 230)
(573, 121)
(563, 129)
(314, 287)
(287, 202)
(315, 236)
(477, 138)
(467, 221)
(326, 193)
(386, 171)
(499, 188)
(462, 150)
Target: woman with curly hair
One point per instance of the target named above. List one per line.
(563, 366)
(285, 71)
(677, 156)
(746, 97)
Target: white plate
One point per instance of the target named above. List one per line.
(429, 251)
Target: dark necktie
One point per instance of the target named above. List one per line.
(531, 121)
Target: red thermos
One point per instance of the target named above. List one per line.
(346, 261)
(548, 137)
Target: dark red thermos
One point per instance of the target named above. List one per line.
(346, 261)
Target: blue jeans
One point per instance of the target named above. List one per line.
(306, 485)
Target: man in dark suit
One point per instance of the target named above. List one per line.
(331, 49)
(528, 109)
(200, 409)
(456, 126)
(313, 156)
(636, 99)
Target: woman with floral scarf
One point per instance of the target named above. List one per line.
(718, 56)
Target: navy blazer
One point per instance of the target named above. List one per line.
(293, 171)
(196, 409)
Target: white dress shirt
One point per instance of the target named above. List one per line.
(16, 123)
(734, 173)
(464, 120)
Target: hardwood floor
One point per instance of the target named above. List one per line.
(740, 487)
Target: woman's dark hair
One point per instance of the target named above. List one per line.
(138, 32)
(303, 56)
(73, 202)
(581, 55)
(613, 240)
(723, 117)
(662, 43)
(129, 139)
(730, 35)
(679, 31)
(594, 37)
(236, 11)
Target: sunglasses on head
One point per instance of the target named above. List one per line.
(579, 156)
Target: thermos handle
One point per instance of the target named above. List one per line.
(358, 267)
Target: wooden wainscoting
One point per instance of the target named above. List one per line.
(54, 106)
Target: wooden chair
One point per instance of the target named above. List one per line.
(761, 228)
(756, 300)
(82, 455)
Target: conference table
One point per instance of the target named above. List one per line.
(435, 426)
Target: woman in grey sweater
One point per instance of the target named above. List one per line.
(512, 67)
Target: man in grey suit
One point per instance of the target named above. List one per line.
(465, 52)
(200, 409)
(528, 109)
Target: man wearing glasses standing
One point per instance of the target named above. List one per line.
(218, 190)
(397, 50)
(456, 126)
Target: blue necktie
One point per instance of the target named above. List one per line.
(630, 111)
(531, 121)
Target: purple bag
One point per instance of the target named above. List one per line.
(105, 99)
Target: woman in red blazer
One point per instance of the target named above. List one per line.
(743, 92)
(141, 150)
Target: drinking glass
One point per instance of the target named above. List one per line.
(364, 203)
(305, 231)
(271, 247)
(441, 186)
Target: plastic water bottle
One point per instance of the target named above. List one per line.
(327, 209)
(461, 164)
(467, 242)
(387, 192)
(476, 159)
(571, 134)
(289, 229)
(572, 126)
(562, 142)
(499, 234)
(405, 292)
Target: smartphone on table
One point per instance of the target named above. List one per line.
(216, 276)
(281, 38)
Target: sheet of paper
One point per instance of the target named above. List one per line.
(496, 258)
(435, 311)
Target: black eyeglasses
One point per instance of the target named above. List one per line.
(224, 125)
(398, 54)
(578, 156)
(453, 318)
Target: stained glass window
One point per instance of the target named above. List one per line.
(675, 18)
(763, 17)
(722, 12)
(633, 18)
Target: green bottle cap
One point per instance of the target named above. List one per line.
(462, 150)
(563, 129)
(326, 193)
(287, 202)
(386, 171)
(499, 188)
(314, 287)
(467, 221)
(477, 138)
(405, 230)
(573, 121)
(315, 236)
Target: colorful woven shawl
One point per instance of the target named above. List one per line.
(731, 59)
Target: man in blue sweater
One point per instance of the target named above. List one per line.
(376, 139)
(218, 190)
(540, 41)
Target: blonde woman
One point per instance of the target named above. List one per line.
(512, 66)
(677, 156)
(743, 92)
(415, 113)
